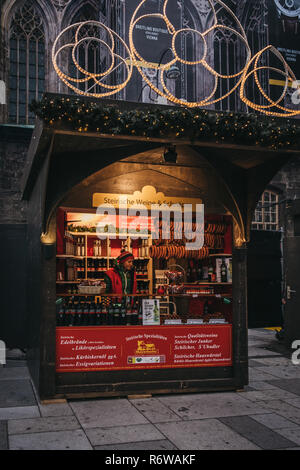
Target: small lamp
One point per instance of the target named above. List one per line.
(170, 154)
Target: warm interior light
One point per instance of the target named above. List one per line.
(48, 238)
(170, 154)
(95, 77)
(173, 73)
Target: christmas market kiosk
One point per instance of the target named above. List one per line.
(181, 324)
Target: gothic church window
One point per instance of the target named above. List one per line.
(266, 216)
(91, 54)
(26, 62)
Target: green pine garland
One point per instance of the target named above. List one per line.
(194, 124)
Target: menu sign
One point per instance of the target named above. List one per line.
(151, 313)
(147, 197)
(96, 348)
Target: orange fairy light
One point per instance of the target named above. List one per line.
(134, 58)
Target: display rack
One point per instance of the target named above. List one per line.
(105, 247)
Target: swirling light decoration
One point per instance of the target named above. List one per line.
(134, 58)
(203, 61)
(97, 78)
(288, 76)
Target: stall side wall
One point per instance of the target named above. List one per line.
(40, 330)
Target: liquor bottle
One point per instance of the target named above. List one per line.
(110, 314)
(210, 272)
(134, 314)
(116, 314)
(141, 271)
(194, 272)
(83, 268)
(96, 269)
(67, 314)
(128, 312)
(98, 313)
(61, 315)
(199, 272)
(206, 308)
(188, 274)
(104, 314)
(76, 305)
(156, 316)
(79, 313)
(78, 269)
(230, 270)
(78, 247)
(223, 271)
(92, 314)
(88, 274)
(123, 313)
(72, 316)
(75, 267)
(140, 314)
(85, 315)
(82, 247)
(205, 272)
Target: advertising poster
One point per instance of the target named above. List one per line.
(151, 313)
(284, 33)
(265, 22)
(152, 40)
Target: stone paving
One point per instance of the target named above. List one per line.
(266, 415)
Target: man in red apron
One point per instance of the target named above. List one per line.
(121, 279)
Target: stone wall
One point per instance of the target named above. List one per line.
(13, 150)
(288, 179)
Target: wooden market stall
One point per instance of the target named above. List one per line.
(68, 164)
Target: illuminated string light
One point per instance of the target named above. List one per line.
(95, 77)
(165, 92)
(134, 58)
(289, 77)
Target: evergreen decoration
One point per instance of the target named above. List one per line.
(180, 123)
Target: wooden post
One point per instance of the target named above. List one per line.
(240, 316)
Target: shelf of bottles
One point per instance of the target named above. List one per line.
(87, 258)
(99, 311)
(217, 269)
(113, 310)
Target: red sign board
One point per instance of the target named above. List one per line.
(135, 347)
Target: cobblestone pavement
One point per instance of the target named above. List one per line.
(266, 415)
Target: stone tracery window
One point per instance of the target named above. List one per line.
(266, 216)
(27, 62)
(91, 54)
(60, 5)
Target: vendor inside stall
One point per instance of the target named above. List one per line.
(121, 278)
